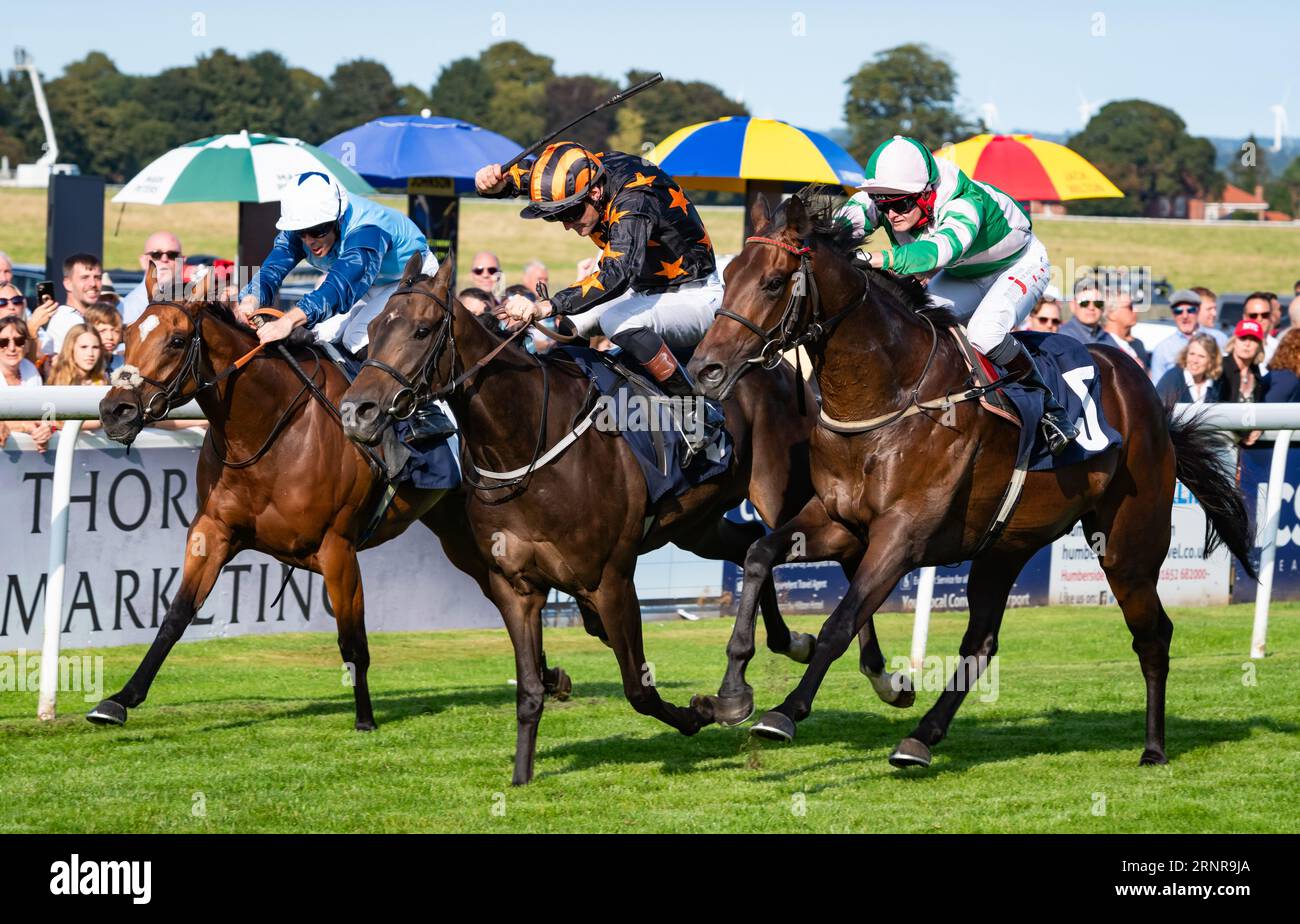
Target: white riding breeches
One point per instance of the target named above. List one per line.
(994, 305)
(349, 328)
(681, 316)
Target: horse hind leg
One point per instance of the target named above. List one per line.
(207, 549)
(447, 520)
(991, 578)
(1131, 558)
(893, 688)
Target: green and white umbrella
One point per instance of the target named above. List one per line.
(247, 167)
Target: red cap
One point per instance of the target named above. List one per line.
(1248, 328)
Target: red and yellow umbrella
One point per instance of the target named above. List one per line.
(1029, 168)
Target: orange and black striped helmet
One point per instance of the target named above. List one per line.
(560, 178)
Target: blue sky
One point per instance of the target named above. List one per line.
(1218, 65)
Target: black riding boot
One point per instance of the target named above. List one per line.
(699, 420)
(1057, 427)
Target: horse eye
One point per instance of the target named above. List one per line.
(775, 284)
(422, 332)
(176, 343)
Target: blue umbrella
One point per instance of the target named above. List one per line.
(391, 149)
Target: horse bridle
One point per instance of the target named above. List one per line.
(783, 336)
(416, 390)
(131, 378)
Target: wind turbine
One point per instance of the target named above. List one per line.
(1087, 109)
(989, 113)
(1279, 122)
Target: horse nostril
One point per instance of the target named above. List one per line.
(358, 412)
(124, 412)
(712, 374)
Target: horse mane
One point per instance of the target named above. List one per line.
(821, 203)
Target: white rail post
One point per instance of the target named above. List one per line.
(921, 621)
(62, 493)
(1273, 508)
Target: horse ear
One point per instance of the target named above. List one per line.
(760, 216)
(203, 286)
(151, 281)
(445, 270)
(413, 266)
(796, 217)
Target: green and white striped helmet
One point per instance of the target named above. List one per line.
(901, 166)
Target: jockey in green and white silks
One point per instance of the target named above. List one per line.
(973, 246)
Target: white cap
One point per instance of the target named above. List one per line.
(311, 199)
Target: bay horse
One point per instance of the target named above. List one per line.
(913, 487)
(275, 474)
(578, 523)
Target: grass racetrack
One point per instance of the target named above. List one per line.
(255, 734)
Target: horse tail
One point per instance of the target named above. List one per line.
(1200, 465)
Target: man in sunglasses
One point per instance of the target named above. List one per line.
(163, 249)
(360, 245)
(971, 244)
(1085, 324)
(655, 289)
(1185, 306)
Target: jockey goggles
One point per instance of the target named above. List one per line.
(572, 213)
(890, 202)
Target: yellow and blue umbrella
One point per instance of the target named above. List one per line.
(725, 154)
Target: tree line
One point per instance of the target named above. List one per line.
(112, 124)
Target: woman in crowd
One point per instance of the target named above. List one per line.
(1284, 370)
(1195, 378)
(16, 371)
(81, 360)
(1242, 379)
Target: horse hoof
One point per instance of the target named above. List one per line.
(560, 687)
(107, 712)
(802, 647)
(906, 697)
(1152, 758)
(910, 753)
(365, 725)
(775, 726)
(725, 710)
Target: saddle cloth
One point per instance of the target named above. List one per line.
(1066, 368)
(643, 426)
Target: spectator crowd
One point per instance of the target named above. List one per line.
(1196, 362)
(78, 342)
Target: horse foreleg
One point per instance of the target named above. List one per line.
(728, 541)
(884, 564)
(522, 613)
(337, 559)
(207, 549)
(810, 536)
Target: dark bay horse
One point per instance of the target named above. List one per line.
(921, 487)
(276, 474)
(578, 523)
